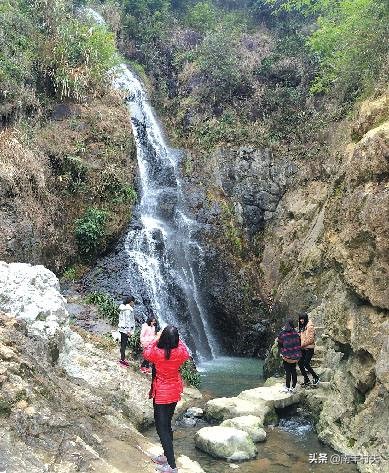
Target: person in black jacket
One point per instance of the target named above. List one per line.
(290, 345)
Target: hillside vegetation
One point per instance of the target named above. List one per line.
(66, 146)
(261, 72)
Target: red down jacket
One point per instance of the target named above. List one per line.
(167, 385)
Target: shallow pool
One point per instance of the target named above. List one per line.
(288, 445)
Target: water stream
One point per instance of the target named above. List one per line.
(164, 265)
(164, 257)
(288, 444)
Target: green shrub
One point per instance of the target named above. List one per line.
(350, 41)
(5, 408)
(127, 194)
(202, 17)
(90, 231)
(134, 343)
(146, 19)
(190, 374)
(219, 60)
(113, 185)
(80, 58)
(72, 273)
(106, 305)
(46, 50)
(18, 54)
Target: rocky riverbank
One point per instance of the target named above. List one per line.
(320, 245)
(65, 403)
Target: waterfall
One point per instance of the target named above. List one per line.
(164, 257)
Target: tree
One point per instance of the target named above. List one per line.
(350, 41)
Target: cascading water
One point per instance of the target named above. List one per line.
(164, 257)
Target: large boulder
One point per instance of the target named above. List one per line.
(270, 396)
(229, 407)
(226, 442)
(32, 293)
(127, 391)
(250, 424)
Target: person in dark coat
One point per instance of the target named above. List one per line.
(290, 346)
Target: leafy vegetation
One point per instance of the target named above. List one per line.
(107, 306)
(73, 273)
(90, 231)
(81, 56)
(231, 72)
(134, 343)
(350, 41)
(46, 51)
(190, 374)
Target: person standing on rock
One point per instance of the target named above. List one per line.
(167, 353)
(147, 336)
(126, 326)
(289, 343)
(307, 334)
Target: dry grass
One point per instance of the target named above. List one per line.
(51, 172)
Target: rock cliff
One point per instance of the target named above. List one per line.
(309, 236)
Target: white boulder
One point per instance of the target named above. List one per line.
(32, 293)
(229, 407)
(226, 442)
(270, 396)
(250, 424)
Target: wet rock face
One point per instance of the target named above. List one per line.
(255, 182)
(233, 197)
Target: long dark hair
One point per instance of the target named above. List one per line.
(150, 319)
(302, 326)
(289, 325)
(169, 339)
(128, 300)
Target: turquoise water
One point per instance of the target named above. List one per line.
(228, 376)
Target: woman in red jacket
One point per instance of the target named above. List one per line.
(167, 354)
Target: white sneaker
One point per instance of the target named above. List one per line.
(284, 389)
(292, 390)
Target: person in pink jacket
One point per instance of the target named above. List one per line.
(147, 336)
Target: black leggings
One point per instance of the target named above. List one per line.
(290, 371)
(163, 414)
(304, 363)
(123, 345)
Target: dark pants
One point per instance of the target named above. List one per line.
(163, 414)
(123, 345)
(290, 371)
(304, 364)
